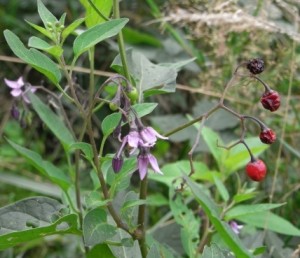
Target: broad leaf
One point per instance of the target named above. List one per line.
(241, 210)
(270, 221)
(102, 249)
(96, 230)
(96, 34)
(213, 214)
(144, 109)
(212, 251)
(54, 123)
(34, 218)
(148, 76)
(44, 167)
(221, 188)
(33, 57)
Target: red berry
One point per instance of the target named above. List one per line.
(267, 136)
(270, 100)
(256, 66)
(256, 170)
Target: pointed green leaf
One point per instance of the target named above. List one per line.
(110, 123)
(38, 43)
(34, 218)
(45, 15)
(144, 109)
(213, 214)
(44, 167)
(40, 29)
(241, 210)
(212, 251)
(33, 57)
(270, 221)
(54, 123)
(70, 28)
(221, 188)
(96, 34)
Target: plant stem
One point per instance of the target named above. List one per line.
(141, 218)
(105, 192)
(121, 44)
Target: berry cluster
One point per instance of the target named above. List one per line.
(270, 100)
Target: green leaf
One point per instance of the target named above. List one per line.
(96, 34)
(270, 221)
(144, 109)
(211, 138)
(238, 156)
(84, 147)
(213, 214)
(54, 123)
(38, 43)
(45, 15)
(92, 17)
(34, 218)
(248, 194)
(186, 218)
(132, 36)
(110, 123)
(260, 250)
(70, 28)
(149, 78)
(221, 188)
(96, 230)
(46, 168)
(40, 29)
(241, 210)
(131, 204)
(212, 251)
(174, 170)
(102, 249)
(33, 57)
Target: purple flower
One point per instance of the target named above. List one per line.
(149, 136)
(17, 90)
(236, 228)
(143, 161)
(117, 163)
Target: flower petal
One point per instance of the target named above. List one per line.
(16, 92)
(148, 136)
(25, 98)
(33, 89)
(134, 139)
(154, 164)
(14, 84)
(143, 166)
(157, 134)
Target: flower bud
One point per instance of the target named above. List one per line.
(267, 136)
(270, 100)
(15, 112)
(117, 164)
(256, 66)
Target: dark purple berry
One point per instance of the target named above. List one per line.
(270, 100)
(267, 136)
(256, 66)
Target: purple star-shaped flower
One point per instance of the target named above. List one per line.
(17, 88)
(143, 161)
(236, 228)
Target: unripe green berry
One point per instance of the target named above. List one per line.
(113, 106)
(133, 95)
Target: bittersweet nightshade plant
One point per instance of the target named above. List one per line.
(113, 215)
